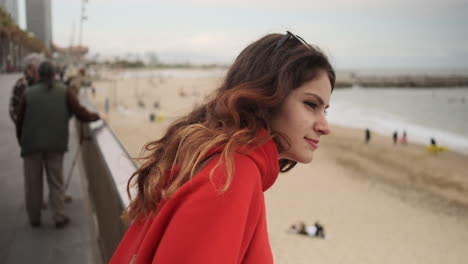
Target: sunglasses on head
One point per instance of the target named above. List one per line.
(288, 36)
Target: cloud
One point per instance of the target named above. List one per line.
(381, 6)
(433, 6)
(212, 30)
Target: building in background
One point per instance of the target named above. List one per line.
(11, 6)
(39, 20)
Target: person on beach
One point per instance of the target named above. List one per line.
(300, 228)
(434, 147)
(367, 136)
(403, 140)
(199, 192)
(42, 131)
(395, 137)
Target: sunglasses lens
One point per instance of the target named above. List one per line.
(287, 36)
(283, 39)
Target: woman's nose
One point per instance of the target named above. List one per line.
(322, 127)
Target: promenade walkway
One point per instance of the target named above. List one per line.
(19, 242)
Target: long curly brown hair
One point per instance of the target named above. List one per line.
(253, 90)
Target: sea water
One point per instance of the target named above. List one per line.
(439, 113)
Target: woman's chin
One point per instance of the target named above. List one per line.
(304, 159)
(304, 156)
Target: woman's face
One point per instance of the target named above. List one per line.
(33, 72)
(302, 120)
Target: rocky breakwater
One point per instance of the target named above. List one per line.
(409, 81)
(414, 81)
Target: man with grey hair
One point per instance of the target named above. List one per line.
(42, 130)
(30, 65)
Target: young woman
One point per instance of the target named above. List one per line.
(199, 194)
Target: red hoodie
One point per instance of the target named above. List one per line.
(200, 225)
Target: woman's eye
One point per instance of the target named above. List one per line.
(314, 106)
(310, 104)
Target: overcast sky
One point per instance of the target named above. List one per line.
(354, 33)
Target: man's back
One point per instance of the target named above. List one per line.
(45, 126)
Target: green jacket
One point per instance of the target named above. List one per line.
(45, 125)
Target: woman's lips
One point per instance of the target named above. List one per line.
(313, 142)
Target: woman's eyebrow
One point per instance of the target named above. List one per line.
(319, 99)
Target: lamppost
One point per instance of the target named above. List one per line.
(83, 17)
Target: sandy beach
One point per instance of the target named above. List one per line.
(378, 202)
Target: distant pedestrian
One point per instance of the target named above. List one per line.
(62, 73)
(30, 63)
(152, 117)
(395, 137)
(403, 139)
(75, 82)
(368, 135)
(106, 105)
(42, 130)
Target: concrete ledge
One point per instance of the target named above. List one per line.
(107, 167)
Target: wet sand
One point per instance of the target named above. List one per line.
(379, 202)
